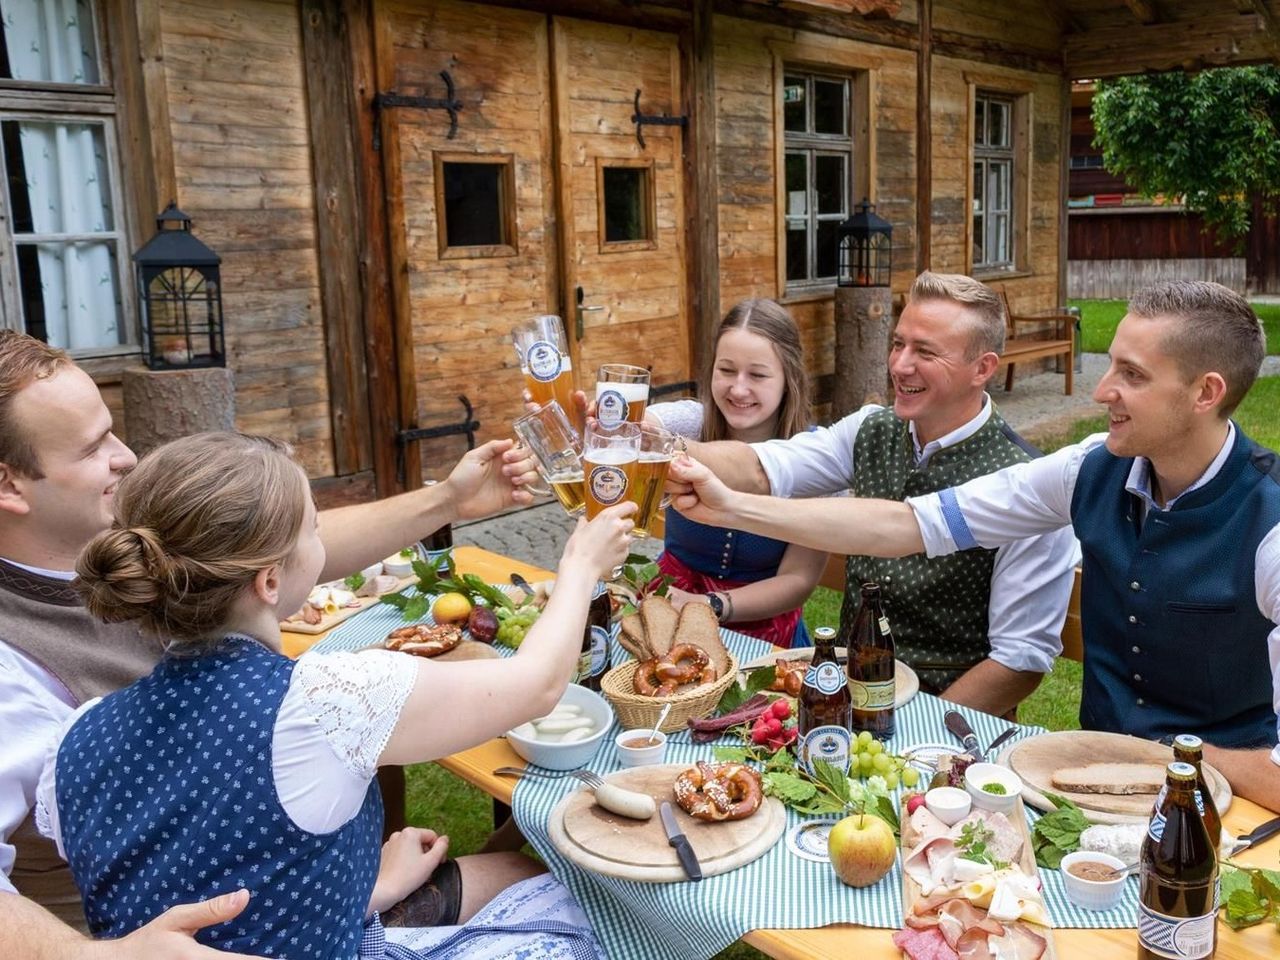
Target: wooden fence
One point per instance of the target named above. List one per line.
(1118, 279)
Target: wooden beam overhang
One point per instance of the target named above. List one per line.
(1144, 10)
(1270, 24)
(1219, 39)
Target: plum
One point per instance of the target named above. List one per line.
(483, 624)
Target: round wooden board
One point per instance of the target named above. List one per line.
(1036, 758)
(905, 682)
(597, 840)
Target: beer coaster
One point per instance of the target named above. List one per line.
(924, 756)
(808, 840)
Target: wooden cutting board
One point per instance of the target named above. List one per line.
(1036, 758)
(597, 840)
(329, 621)
(905, 682)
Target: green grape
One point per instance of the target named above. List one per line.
(881, 763)
(865, 762)
(891, 780)
(864, 738)
(874, 747)
(910, 776)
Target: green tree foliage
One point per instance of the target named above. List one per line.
(1210, 137)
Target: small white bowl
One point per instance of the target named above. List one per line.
(1092, 894)
(978, 775)
(398, 566)
(567, 756)
(948, 804)
(640, 756)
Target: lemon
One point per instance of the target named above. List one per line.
(451, 608)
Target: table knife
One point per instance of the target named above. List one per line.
(960, 727)
(1256, 835)
(523, 584)
(677, 839)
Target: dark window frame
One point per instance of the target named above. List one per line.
(648, 204)
(510, 246)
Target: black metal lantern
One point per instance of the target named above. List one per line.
(865, 249)
(180, 296)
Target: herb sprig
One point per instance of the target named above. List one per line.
(1058, 833)
(974, 845)
(431, 582)
(1250, 895)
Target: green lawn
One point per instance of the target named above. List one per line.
(1099, 319)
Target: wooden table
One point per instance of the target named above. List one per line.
(840, 941)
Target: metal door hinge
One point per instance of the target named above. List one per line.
(659, 120)
(391, 99)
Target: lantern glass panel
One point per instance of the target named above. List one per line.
(184, 317)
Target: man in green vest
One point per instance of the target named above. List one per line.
(981, 627)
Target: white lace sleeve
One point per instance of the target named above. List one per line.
(335, 719)
(681, 417)
(46, 805)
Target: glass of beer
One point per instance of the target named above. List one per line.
(657, 447)
(609, 458)
(555, 445)
(543, 349)
(622, 393)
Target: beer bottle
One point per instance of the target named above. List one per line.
(594, 659)
(436, 544)
(871, 666)
(1178, 882)
(823, 721)
(1187, 747)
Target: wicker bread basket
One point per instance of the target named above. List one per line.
(635, 711)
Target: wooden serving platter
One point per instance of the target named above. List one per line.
(329, 621)
(1036, 758)
(1027, 862)
(905, 682)
(597, 840)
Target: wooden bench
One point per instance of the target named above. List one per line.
(1055, 337)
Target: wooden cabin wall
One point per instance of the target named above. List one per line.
(242, 156)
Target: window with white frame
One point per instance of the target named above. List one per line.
(993, 182)
(817, 178)
(63, 267)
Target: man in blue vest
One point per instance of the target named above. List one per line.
(1178, 515)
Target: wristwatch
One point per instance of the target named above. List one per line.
(717, 605)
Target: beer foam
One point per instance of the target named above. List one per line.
(630, 392)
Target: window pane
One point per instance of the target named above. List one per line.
(826, 252)
(978, 241)
(829, 181)
(625, 210)
(999, 193)
(797, 252)
(48, 41)
(70, 293)
(1000, 239)
(58, 178)
(473, 204)
(797, 185)
(793, 104)
(979, 186)
(829, 112)
(998, 123)
(979, 121)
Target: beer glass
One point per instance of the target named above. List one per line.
(609, 457)
(543, 349)
(657, 447)
(622, 392)
(555, 445)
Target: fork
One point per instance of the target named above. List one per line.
(591, 779)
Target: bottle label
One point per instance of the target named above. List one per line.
(611, 407)
(1165, 789)
(599, 651)
(831, 744)
(826, 677)
(584, 667)
(608, 484)
(436, 559)
(884, 626)
(544, 360)
(872, 696)
(1155, 829)
(1178, 938)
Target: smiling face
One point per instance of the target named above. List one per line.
(935, 384)
(747, 384)
(82, 461)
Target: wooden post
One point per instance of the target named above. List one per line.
(702, 190)
(1064, 188)
(924, 139)
(863, 318)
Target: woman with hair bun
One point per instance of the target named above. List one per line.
(232, 766)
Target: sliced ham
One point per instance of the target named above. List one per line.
(1019, 942)
(924, 944)
(957, 918)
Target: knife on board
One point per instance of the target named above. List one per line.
(677, 839)
(1256, 835)
(960, 727)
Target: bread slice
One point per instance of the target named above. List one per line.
(698, 625)
(631, 636)
(659, 619)
(1110, 778)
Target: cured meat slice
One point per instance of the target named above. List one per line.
(924, 944)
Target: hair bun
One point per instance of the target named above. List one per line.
(122, 572)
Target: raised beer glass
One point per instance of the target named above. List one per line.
(610, 456)
(657, 447)
(622, 393)
(556, 446)
(543, 350)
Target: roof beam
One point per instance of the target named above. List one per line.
(1218, 39)
(1144, 10)
(1270, 27)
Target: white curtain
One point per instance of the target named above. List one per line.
(66, 177)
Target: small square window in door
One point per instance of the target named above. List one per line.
(475, 205)
(626, 206)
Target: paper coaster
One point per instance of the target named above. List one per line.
(808, 840)
(924, 756)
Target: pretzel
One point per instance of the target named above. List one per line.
(788, 676)
(685, 663)
(425, 640)
(719, 791)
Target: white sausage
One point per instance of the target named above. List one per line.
(579, 733)
(625, 803)
(563, 711)
(526, 732)
(563, 725)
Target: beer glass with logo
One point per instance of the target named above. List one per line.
(543, 350)
(657, 447)
(555, 445)
(609, 458)
(622, 392)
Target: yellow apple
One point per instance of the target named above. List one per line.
(862, 849)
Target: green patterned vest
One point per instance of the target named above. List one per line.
(936, 607)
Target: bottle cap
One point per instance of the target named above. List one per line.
(1188, 741)
(1181, 771)
(824, 633)
(871, 589)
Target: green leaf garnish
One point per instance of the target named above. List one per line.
(353, 582)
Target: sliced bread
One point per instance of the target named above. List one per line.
(659, 619)
(698, 625)
(1110, 778)
(631, 636)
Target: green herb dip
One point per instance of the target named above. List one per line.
(996, 788)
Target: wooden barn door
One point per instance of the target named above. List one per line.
(621, 209)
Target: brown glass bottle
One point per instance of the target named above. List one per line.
(1178, 882)
(436, 544)
(594, 659)
(871, 666)
(823, 721)
(1189, 748)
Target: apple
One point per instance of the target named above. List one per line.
(862, 849)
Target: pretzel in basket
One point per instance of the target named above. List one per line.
(684, 663)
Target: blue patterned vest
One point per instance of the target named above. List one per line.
(166, 795)
(937, 607)
(1174, 642)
